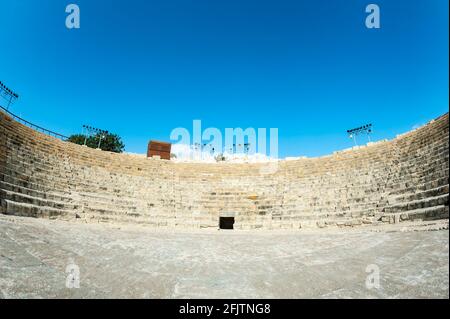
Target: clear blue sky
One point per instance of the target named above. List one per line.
(309, 68)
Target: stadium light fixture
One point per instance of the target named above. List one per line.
(365, 129)
(8, 95)
(89, 131)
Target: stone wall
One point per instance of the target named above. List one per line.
(386, 182)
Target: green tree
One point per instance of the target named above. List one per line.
(110, 142)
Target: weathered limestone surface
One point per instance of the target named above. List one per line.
(142, 262)
(388, 182)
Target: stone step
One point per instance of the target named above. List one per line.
(29, 210)
(35, 193)
(441, 190)
(37, 201)
(429, 213)
(418, 204)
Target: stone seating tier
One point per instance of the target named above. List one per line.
(386, 182)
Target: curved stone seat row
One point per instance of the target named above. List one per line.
(386, 182)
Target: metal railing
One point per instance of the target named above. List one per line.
(34, 126)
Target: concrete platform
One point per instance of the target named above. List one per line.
(136, 262)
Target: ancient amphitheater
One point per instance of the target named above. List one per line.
(404, 179)
(300, 210)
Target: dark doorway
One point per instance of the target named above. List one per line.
(226, 222)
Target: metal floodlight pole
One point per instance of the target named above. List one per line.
(369, 131)
(352, 135)
(9, 102)
(99, 141)
(85, 133)
(102, 134)
(247, 148)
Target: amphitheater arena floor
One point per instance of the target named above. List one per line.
(137, 262)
